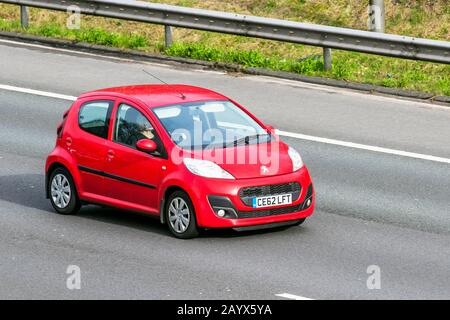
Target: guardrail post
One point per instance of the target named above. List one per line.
(24, 16)
(376, 15)
(167, 36)
(327, 59)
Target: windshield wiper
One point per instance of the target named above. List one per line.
(245, 139)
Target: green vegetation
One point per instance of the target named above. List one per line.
(346, 65)
(91, 35)
(429, 19)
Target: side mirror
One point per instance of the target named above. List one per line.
(270, 129)
(146, 145)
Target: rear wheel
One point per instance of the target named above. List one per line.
(62, 191)
(180, 216)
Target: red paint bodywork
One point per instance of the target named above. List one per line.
(75, 147)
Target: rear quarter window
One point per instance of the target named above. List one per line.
(93, 117)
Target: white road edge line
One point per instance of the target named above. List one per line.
(295, 83)
(347, 92)
(38, 92)
(279, 132)
(82, 53)
(292, 296)
(363, 147)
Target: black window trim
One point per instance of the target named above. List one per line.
(111, 104)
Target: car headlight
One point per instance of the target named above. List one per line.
(297, 161)
(206, 168)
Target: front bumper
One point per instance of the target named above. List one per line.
(206, 192)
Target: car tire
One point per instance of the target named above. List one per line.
(299, 222)
(180, 216)
(63, 193)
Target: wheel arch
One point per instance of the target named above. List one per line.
(52, 167)
(55, 165)
(166, 193)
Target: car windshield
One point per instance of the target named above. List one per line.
(210, 124)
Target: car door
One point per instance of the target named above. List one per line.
(133, 176)
(87, 142)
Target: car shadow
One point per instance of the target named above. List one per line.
(25, 190)
(130, 219)
(230, 233)
(28, 190)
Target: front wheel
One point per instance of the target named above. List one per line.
(62, 191)
(180, 216)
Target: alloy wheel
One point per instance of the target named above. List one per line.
(179, 215)
(60, 191)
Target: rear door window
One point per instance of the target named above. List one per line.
(94, 116)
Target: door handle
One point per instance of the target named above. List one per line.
(110, 155)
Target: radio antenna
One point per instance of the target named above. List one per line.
(152, 75)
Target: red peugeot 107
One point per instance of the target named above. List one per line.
(189, 155)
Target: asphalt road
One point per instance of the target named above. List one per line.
(372, 209)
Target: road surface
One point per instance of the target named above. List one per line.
(373, 208)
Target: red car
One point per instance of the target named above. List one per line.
(188, 155)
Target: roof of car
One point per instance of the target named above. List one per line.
(154, 95)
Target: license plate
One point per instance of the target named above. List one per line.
(270, 201)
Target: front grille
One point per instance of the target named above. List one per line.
(269, 189)
(268, 212)
(278, 211)
(246, 194)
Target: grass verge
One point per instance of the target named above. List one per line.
(248, 52)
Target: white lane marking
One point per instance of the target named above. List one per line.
(267, 79)
(209, 71)
(24, 44)
(38, 92)
(363, 147)
(345, 91)
(89, 54)
(32, 45)
(292, 296)
(279, 132)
